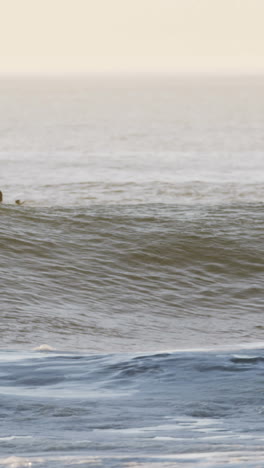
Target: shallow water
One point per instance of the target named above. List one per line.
(137, 259)
(120, 409)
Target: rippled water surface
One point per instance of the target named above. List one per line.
(122, 278)
(136, 258)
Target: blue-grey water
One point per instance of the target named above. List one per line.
(132, 274)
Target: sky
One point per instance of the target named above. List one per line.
(131, 36)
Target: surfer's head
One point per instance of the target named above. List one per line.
(18, 202)
(1, 196)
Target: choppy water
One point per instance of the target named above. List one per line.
(138, 258)
(132, 410)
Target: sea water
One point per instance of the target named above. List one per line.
(132, 275)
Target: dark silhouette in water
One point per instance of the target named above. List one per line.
(18, 202)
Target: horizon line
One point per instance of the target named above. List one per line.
(133, 73)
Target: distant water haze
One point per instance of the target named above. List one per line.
(120, 140)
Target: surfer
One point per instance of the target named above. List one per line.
(18, 202)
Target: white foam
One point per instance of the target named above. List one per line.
(44, 347)
(17, 462)
(21, 462)
(14, 437)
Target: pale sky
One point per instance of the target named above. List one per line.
(164, 36)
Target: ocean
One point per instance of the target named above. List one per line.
(132, 272)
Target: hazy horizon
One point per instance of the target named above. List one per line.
(131, 37)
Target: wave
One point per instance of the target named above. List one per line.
(132, 375)
(101, 277)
